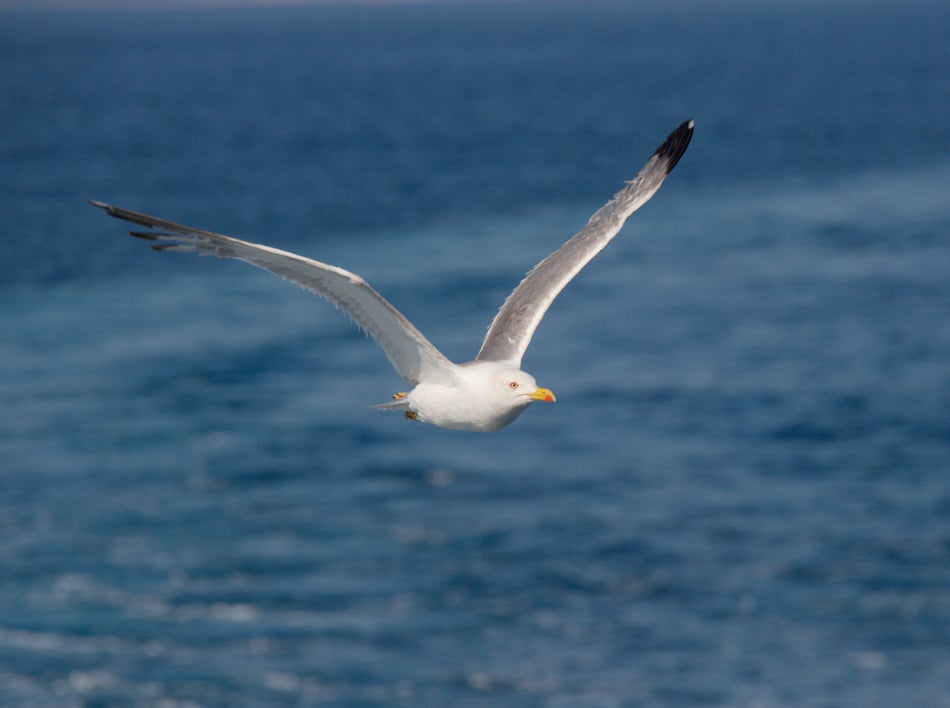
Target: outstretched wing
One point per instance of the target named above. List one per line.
(411, 354)
(511, 330)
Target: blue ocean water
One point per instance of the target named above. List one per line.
(742, 496)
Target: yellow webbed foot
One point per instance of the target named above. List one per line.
(399, 396)
(412, 415)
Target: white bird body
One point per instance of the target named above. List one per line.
(485, 394)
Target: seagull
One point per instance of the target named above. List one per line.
(485, 394)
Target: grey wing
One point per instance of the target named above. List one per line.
(411, 354)
(514, 325)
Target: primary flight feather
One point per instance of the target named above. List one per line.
(485, 394)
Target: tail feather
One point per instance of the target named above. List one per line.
(401, 405)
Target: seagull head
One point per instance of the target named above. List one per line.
(506, 392)
(518, 389)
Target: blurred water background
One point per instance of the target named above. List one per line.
(742, 496)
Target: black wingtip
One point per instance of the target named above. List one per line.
(107, 208)
(675, 145)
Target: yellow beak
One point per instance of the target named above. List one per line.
(543, 394)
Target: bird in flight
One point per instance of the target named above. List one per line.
(485, 394)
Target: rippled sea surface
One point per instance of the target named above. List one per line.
(742, 495)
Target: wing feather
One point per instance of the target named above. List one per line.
(510, 332)
(410, 353)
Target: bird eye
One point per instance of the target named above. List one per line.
(513, 385)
